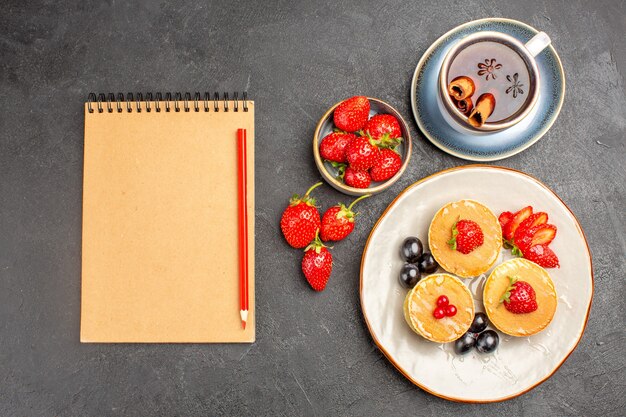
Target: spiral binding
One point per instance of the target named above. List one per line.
(98, 102)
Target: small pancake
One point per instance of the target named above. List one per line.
(520, 324)
(480, 259)
(421, 301)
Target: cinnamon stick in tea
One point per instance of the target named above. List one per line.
(483, 109)
(461, 88)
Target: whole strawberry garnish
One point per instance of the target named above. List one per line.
(466, 236)
(317, 264)
(333, 146)
(356, 178)
(352, 114)
(384, 129)
(338, 221)
(519, 297)
(386, 166)
(543, 256)
(301, 220)
(361, 153)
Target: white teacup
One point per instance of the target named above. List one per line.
(500, 65)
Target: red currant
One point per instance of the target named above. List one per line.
(439, 313)
(450, 310)
(442, 301)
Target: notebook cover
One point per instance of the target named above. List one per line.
(160, 238)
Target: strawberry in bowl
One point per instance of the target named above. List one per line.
(361, 146)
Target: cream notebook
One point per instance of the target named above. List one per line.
(160, 220)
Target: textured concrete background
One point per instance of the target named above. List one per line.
(313, 355)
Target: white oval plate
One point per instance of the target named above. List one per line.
(519, 364)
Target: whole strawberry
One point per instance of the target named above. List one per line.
(466, 236)
(361, 154)
(352, 114)
(357, 179)
(317, 264)
(386, 166)
(338, 221)
(542, 255)
(384, 129)
(519, 297)
(301, 220)
(333, 146)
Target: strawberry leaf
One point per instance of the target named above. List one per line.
(316, 244)
(337, 165)
(340, 167)
(344, 212)
(386, 141)
(294, 200)
(306, 198)
(506, 297)
(347, 211)
(455, 232)
(373, 142)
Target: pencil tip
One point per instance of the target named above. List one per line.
(244, 325)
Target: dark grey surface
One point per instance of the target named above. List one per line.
(313, 354)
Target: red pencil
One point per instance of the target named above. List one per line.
(242, 169)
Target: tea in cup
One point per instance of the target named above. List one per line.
(489, 81)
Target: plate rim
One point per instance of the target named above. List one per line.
(509, 154)
(390, 357)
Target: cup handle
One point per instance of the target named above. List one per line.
(538, 43)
